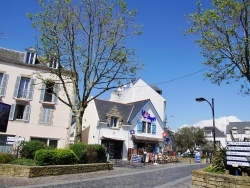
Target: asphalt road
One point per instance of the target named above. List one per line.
(149, 176)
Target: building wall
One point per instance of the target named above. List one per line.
(61, 114)
(140, 91)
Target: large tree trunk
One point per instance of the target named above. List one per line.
(79, 116)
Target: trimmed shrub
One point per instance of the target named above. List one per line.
(79, 149)
(6, 157)
(101, 153)
(65, 157)
(28, 149)
(91, 155)
(22, 161)
(45, 157)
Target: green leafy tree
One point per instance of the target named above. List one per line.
(223, 34)
(189, 138)
(87, 38)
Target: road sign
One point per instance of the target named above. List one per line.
(132, 131)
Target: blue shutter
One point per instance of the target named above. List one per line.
(153, 128)
(27, 113)
(42, 92)
(56, 91)
(18, 78)
(31, 89)
(4, 85)
(12, 111)
(139, 126)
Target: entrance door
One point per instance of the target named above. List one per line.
(114, 148)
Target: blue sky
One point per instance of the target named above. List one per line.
(165, 51)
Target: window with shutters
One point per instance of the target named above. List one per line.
(3, 83)
(24, 88)
(53, 63)
(48, 92)
(46, 115)
(19, 112)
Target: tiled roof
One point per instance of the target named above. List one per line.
(240, 126)
(127, 111)
(218, 133)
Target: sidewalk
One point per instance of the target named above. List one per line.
(121, 169)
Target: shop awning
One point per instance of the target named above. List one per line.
(113, 137)
(146, 138)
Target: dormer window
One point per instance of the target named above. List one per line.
(30, 56)
(247, 130)
(53, 63)
(113, 121)
(234, 130)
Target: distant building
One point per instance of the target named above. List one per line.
(36, 113)
(238, 131)
(220, 137)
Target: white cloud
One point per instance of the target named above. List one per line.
(220, 123)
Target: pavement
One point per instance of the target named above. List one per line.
(119, 168)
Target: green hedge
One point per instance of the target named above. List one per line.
(45, 157)
(28, 149)
(79, 149)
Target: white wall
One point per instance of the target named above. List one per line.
(141, 91)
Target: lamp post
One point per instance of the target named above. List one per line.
(212, 107)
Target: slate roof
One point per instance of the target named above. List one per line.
(127, 111)
(240, 126)
(218, 133)
(16, 57)
(158, 90)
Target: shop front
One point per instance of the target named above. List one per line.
(114, 147)
(145, 146)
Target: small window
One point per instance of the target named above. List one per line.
(149, 127)
(208, 133)
(48, 95)
(19, 112)
(30, 57)
(144, 127)
(53, 63)
(113, 121)
(234, 130)
(48, 92)
(247, 130)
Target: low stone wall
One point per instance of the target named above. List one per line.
(53, 170)
(204, 179)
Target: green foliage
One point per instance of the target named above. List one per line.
(91, 154)
(6, 157)
(45, 157)
(188, 137)
(79, 149)
(29, 148)
(101, 153)
(23, 161)
(223, 34)
(218, 162)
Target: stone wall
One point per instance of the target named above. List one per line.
(204, 179)
(53, 170)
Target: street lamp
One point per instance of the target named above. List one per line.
(212, 107)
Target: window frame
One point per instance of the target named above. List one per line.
(46, 115)
(114, 121)
(25, 114)
(30, 57)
